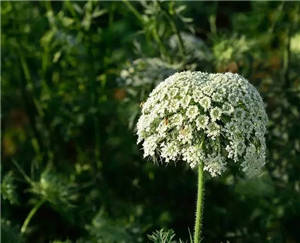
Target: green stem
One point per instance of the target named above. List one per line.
(199, 208)
(31, 214)
(180, 41)
(26, 177)
(287, 59)
(162, 48)
(155, 34)
(134, 11)
(175, 29)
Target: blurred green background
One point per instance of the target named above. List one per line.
(73, 77)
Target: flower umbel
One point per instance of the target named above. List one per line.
(223, 113)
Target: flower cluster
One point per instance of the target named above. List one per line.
(146, 71)
(195, 48)
(214, 118)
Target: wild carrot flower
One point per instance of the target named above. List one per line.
(214, 118)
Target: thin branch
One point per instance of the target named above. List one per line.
(133, 10)
(31, 214)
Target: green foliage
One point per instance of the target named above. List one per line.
(227, 49)
(106, 230)
(9, 233)
(73, 77)
(8, 189)
(54, 188)
(162, 236)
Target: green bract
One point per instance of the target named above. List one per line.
(216, 118)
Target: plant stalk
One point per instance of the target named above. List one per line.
(199, 207)
(175, 29)
(134, 11)
(31, 214)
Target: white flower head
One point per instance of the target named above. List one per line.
(201, 122)
(205, 103)
(185, 101)
(227, 108)
(239, 114)
(214, 118)
(215, 166)
(215, 113)
(176, 120)
(162, 127)
(197, 95)
(213, 130)
(192, 112)
(217, 97)
(174, 105)
(150, 145)
(185, 135)
(173, 92)
(169, 151)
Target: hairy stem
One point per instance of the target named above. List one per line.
(31, 214)
(199, 207)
